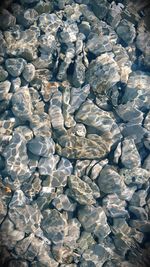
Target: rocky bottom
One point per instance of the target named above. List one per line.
(74, 134)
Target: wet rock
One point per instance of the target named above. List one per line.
(74, 147)
(130, 157)
(103, 73)
(96, 255)
(138, 212)
(72, 233)
(139, 198)
(99, 8)
(17, 263)
(98, 44)
(27, 18)
(69, 32)
(114, 14)
(79, 72)
(129, 113)
(136, 176)
(110, 181)
(146, 164)
(62, 254)
(41, 146)
(78, 96)
(62, 202)
(7, 20)
(142, 43)
(80, 130)
(114, 206)
(16, 158)
(15, 66)
(94, 220)
(24, 130)
(93, 185)
(29, 72)
(53, 225)
(3, 74)
(4, 89)
(47, 165)
(126, 31)
(49, 23)
(18, 199)
(21, 104)
(80, 191)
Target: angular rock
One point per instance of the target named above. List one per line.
(78, 96)
(136, 176)
(4, 89)
(47, 165)
(15, 66)
(126, 31)
(94, 220)
(16, 158)
(139, 198)
(62, 202)
(29, 72)
(3, 74)
(103, 73)
(98, 44)
(79, 72)
(80, 191)
(53, 225)
(114, 206)
(130, 157)
(7, 19)
(21, 104)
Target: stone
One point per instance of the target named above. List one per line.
(95, 256)
(16, 157)
(18, 199)
(80, 167)
(130, 157)
(3, 74)
(41, 146)
(100, 8)
(62, 254)
(49, 23)
(129, 113)
(103, 73)
(4, 89)
(17, 263)
(79, 72)
(147, 141)
(142, 43)
(138, 212)
(126, 31)
(62, 202)
(146, 164)
(93, 185)
(114, 14)
(53, 225)
(15, 66)
(66, 62)
(47, 165)
(110, 181)
(25, 131)
(74, 147)
(94, 220)
(139, 198)
(69, 32)
(98, 44)
(80, 129)
(114, 207)
(72, 233)
(27, 18)
(78, 96)
(28, 72)
(80, 190)
(95, 171)
(21, 104)
(7, 19)
(136, 176)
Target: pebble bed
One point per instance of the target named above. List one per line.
(74, 134)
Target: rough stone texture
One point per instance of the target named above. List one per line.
(15, 66)
(130, 157)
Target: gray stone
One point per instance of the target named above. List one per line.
(136, 176)
(4, 89)
(138, 212)
(49, 23)
(15, 66)
(100, 8)
(110, 181)
(47, 165)
(94, 220)
(80, 190)
(146, 164)
(53, 225)
(114, 14)
(29, 72)
(7, 20)
(3, 74)
(21, 104)
(72, 233)
(126, 31)
(27, 17)
(79, 72)
(130, 157)
(16, 158)
(103, 73)
(41, 146)
(62, 202)
(139, 198)
(98, 44)
(114, 206)
(78, 96)
(18, 263)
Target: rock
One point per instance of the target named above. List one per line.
(74, 147)
(15, 66)
(138, 212)
(77, 97)
(62, 254)
(142, 43)
(41, 146)
(146, 164)
(80, 191)
(94, 220)
(72, 234)
(79, 72)
(103, 73)
(4, 90)
(80, 130)
(96, 255)
(129, 113)
(114, 206)
(27, 18)
(3, 74)
(100, 8)
(93, 185)
(126, 31)
(29, 72)
(18, 44)
(7, 19)
(18, 199)
(53, 225)
(17, 263)
(47, 165)
(49, 23)
(139, 198)
(16, 158)
(110, 181)
(24, 130)
(62, 202)
(98, 44)
(21, 104)
(69, 32)
(130, 157)
(136, 176)
(114, 14)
